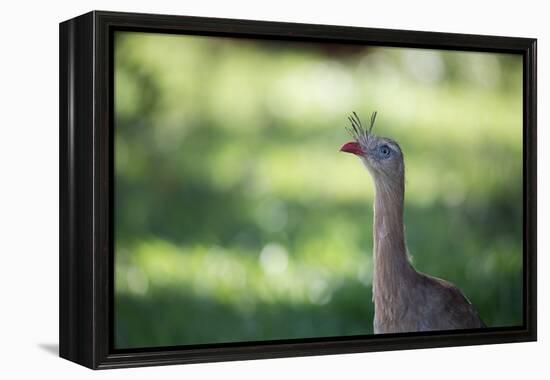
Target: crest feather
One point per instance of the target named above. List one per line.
(360, 134)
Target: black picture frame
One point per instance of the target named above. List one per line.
(86, 188)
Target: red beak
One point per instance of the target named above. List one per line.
(352, 147)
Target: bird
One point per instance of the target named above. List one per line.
(405, 300)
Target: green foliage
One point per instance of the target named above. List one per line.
(237, 219)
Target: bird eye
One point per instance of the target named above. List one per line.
(384, 151)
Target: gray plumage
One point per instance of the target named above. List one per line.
(405, 300)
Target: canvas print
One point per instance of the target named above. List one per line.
(269, 190)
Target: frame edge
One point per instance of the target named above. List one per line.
(76, 275)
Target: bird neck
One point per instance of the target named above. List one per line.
(392, 269)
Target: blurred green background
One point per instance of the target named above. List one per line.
(237, 218)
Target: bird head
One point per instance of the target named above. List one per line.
(381, 156)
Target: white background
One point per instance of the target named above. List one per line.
(29, 187)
